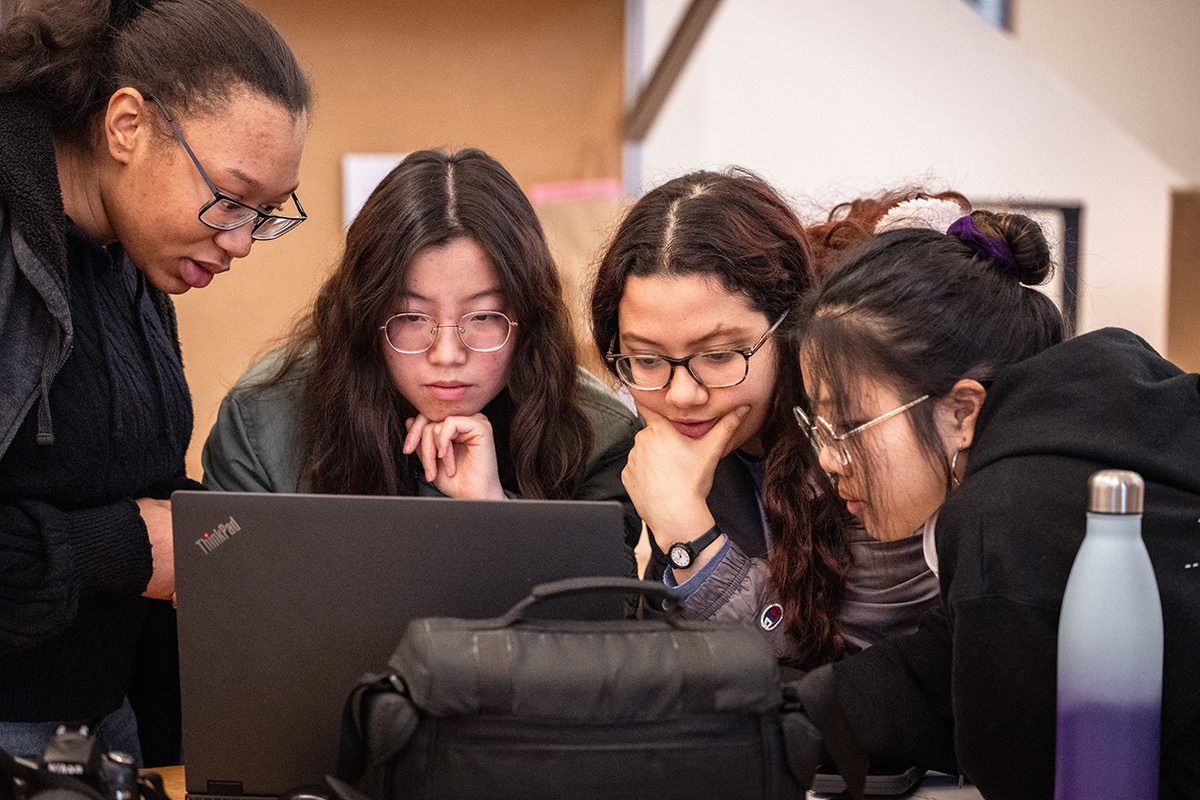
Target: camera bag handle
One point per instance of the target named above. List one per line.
(591, 585)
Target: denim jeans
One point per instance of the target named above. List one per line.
(116, 731)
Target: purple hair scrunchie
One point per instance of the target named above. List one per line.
(995, 250)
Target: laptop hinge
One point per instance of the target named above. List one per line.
(225, 788)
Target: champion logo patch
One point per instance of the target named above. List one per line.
(771, 617)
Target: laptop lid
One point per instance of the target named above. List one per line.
(286, 600)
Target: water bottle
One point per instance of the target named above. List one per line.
(1110, 653)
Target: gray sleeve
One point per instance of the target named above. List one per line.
(230, 458)
(255, 446)
(738, 590)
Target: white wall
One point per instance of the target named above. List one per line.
(830, 100)
(1138, 62)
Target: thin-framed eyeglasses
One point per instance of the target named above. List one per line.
(223, 213)
(712, 369)
(821, 434)
(411, 332)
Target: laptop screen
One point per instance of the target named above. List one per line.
(286, 600)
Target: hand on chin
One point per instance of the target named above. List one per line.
(458, 455)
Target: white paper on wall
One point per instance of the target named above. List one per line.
(361, 173)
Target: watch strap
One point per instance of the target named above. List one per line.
(708, 537)
(696, 546)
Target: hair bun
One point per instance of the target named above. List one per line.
(1025, 241)
(1013, 243)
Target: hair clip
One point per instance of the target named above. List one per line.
(920, 212)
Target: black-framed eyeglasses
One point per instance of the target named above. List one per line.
(411, 332)
(223, 213)
(821, 434)
(712, 369)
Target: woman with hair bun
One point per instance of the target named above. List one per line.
(944, 398)
(143, 147)
(695, 306)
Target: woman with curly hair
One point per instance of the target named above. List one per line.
(695, 306)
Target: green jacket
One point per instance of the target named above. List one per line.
(255, 444)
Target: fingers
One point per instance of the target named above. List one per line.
(653, 418)
(156, 515)
(444, 436)
(427, 451)
(414, 426)
(722, 433)
(434, 442)
(421, 439)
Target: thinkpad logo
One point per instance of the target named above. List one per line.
(213, 539)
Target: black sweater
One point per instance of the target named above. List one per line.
(74, 554)
(974, 689)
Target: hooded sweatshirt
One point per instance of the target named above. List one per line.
(973, 690)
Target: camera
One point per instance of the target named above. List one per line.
(73, 768)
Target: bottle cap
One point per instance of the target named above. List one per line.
(1115, 491)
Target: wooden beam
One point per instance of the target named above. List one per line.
(1183, 295)
(645, 109)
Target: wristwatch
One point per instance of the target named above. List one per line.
(682, 554)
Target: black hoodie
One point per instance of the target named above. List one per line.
(974, 689)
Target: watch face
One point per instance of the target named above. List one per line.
(679, 555)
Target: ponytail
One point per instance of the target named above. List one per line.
(50, 51)
(73, 54)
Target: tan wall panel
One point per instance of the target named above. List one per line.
(578, 231)
(537, 84)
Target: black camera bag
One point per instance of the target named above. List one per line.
(512, 707)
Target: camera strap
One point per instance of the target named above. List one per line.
(150, 786)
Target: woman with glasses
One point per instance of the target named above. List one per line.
(694, 306)
(143, 147)
(437, 360)
(944, 398)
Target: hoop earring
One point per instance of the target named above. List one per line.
(954, 480)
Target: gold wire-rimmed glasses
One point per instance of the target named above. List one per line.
(821, 434)
(411, 332)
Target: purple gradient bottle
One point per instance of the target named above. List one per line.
(1110, 644)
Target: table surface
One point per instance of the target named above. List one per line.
(932, 787)
(173, 781)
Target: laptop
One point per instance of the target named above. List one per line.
(286, 600)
